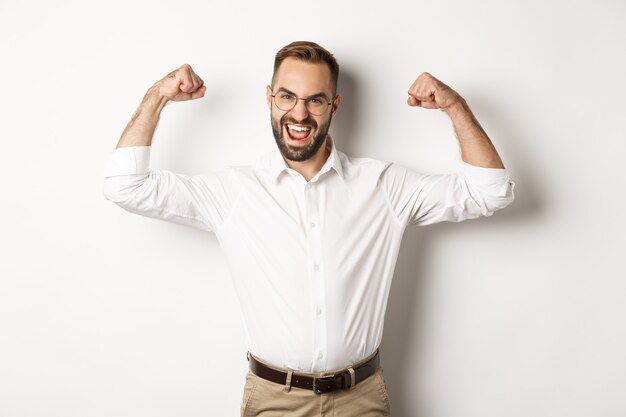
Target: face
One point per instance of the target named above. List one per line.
(298, 133)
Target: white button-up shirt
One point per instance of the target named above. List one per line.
(312, 262)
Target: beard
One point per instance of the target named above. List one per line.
(300, 153)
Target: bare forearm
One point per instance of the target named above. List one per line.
(179, 85)
(140, 129)
(476, 147)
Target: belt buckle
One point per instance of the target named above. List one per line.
(316, 388)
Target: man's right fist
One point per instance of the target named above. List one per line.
(180, 85)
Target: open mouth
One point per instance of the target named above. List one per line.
(298, 133)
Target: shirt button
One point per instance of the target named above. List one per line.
(320, 355)
(312, 225)
(316, 267)
(318, 311)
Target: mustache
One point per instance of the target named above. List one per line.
(309, 121)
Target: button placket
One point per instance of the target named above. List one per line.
(318, 283)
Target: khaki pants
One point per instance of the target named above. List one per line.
(268, 399)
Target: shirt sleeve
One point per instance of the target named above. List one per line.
(200, 201)
(471, 192)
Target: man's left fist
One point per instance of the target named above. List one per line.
(430, 93)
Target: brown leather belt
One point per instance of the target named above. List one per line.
(340, 380)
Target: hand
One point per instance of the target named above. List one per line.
(180, 85)
(430, 93)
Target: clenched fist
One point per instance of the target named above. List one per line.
(180, 85)
(430, 93)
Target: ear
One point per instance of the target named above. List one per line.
(269, 97)
(336, 104)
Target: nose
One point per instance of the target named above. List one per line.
(300, 110)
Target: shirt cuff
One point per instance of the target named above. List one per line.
(495, 179)
(128, 160)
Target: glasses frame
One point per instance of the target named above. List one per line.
(296, 103)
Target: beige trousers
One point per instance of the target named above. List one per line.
(268, 399)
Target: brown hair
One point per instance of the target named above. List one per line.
(307, 52)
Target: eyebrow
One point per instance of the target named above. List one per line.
(320, 94)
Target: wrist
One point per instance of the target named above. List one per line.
(457, 107)
(154, 100)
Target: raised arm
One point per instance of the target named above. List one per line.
(476, 147)
(480, 187)
(201, 201)
(179, 85)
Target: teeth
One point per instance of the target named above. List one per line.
(299, 128)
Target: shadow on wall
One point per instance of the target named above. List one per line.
(409, 290)
(344, 123)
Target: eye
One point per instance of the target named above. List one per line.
(286, 96)
(315, 101)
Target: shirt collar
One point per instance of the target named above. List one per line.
(277, 163)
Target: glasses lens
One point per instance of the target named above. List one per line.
(285, 101)
(316, 106)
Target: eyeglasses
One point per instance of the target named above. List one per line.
(287, 101)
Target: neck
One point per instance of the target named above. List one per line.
(309, 168)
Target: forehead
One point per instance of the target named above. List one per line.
(303, 77)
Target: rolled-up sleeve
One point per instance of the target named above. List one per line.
(423, 199)
(200, 201)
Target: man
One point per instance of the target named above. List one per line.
(311, 234)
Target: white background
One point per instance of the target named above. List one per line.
(106, 313)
